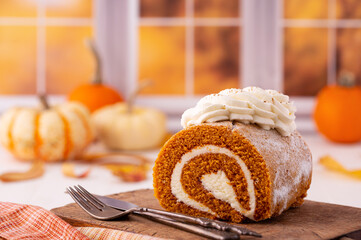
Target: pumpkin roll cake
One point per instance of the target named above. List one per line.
(238, 157)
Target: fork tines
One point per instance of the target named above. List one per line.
(82, 196)
(90, 204)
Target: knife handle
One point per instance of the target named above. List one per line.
(202, 231)
(204, 222)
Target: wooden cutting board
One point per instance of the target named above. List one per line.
(313, 220)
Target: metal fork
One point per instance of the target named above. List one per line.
(101, 211)
(94, 207)
(200, 221)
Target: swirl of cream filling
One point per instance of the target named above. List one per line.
(216, 183)
(268, 109)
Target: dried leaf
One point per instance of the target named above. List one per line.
(36, 170)
(129, 167)
(129, 173)
(69, 171)
(331, 164)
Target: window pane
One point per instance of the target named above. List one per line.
(348, 51)
(216, 61)
(69, 62)
(216, 8)
(348, 8)
(305, 60)
(162, 59)
(306, 9)
(162, 8)
(69, 8)
(17, 8)
(17, 60)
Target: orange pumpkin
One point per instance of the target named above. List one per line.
(95, 95)
(338, 111)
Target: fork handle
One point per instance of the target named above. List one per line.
(204, 222)
(199, 230)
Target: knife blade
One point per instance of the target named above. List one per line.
(205, 232)
(204, 222)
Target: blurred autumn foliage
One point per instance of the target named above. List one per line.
(216, 59)
(216, 8)
(162, 8)
(349, 51)
(162, 59)
(305, 60)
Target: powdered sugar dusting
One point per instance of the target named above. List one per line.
(288, 160)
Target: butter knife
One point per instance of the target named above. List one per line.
(204, 222)
(199, 230)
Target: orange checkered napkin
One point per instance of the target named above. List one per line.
(30, 222)
(19, 221)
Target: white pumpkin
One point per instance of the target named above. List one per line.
(137, 129)
(52, 134)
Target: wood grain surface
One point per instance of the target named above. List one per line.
(313, 220)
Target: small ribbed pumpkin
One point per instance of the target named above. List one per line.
(48, 133)
(123, 126)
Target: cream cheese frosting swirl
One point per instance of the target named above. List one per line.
(268, 109)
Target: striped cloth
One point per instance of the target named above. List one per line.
(30, 222)
(19, 221)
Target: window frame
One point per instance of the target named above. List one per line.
(116, 31)
(262, 25)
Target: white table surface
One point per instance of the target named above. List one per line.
(48, 190)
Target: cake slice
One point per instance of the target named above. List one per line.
(232, 170)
